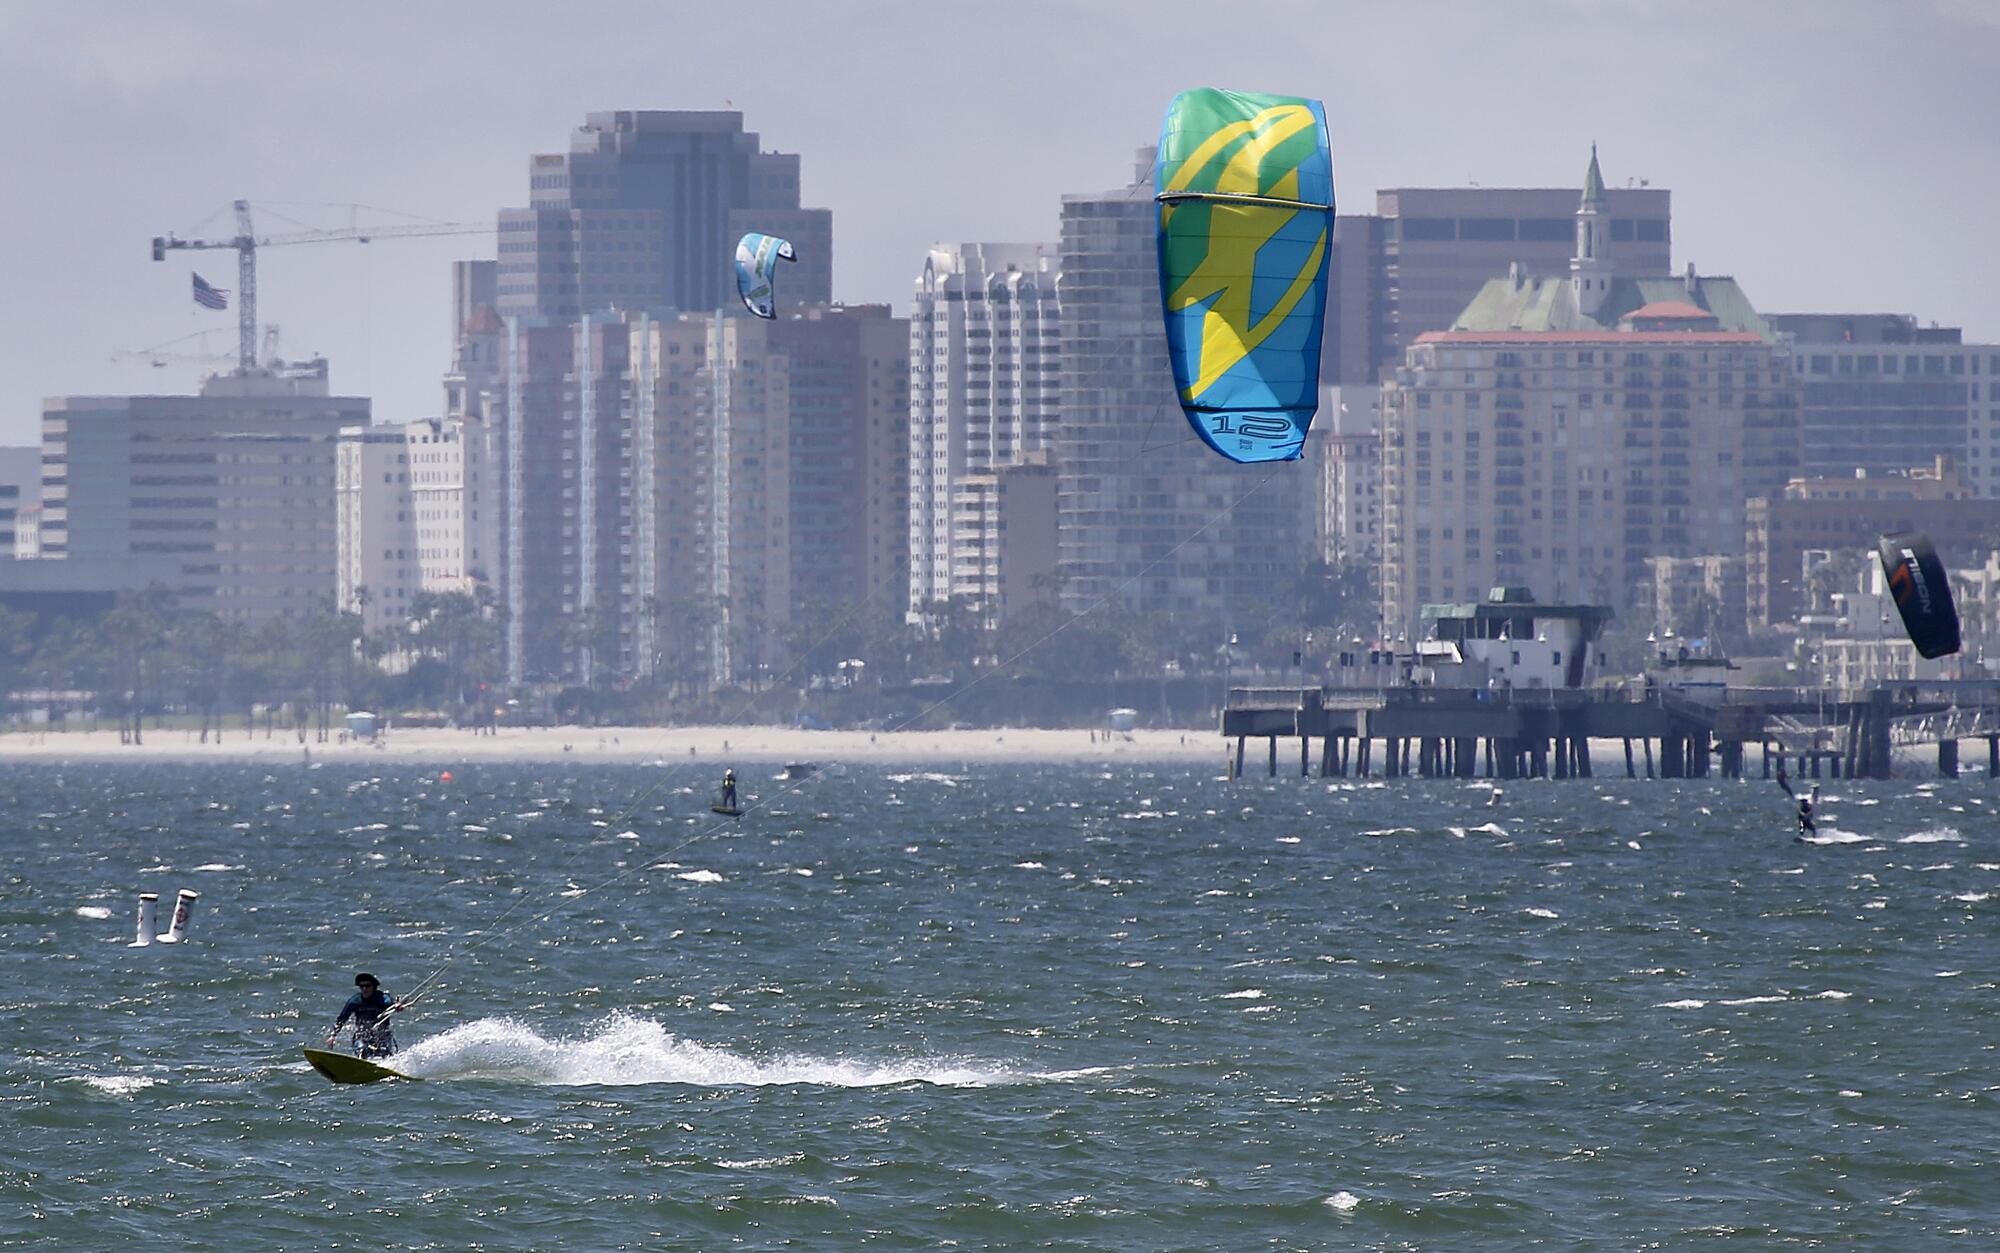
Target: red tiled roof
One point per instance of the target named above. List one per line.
(484, 321)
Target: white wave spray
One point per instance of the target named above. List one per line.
(628, 1050)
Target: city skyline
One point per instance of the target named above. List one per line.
(1818, 196)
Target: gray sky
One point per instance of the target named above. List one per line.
(1832, 155)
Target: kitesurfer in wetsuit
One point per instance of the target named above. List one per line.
(729, 789)
(1806, 827)
(370, 1008)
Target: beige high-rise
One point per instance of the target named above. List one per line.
(1566, 429)
(772, 495)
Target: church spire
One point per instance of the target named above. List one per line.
(1590, 265)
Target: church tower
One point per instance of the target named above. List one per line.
(1590, 266)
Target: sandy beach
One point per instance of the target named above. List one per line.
(721, 745)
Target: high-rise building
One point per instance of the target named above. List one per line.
(1147, 514)
(1880, 393)
(1003, 538)
(644, 211)
(560, 461)
(1850, 512)
(1564, 430)
(638, 220)
(772, 493)
(1350, 423)
(417, 513)
(983, 393)
(229, 493)
(20, 494)
(474, 286)
(1412, 265)
(376, 544)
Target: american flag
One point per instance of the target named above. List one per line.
(209, 297)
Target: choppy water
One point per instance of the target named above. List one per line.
(1059, 1007)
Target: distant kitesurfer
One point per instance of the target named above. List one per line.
(370, 1008)
(1806, 804)
(729, 789)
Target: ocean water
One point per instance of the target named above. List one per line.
(1061, 1007)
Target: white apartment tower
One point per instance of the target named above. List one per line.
(984, 377)
(415, 512)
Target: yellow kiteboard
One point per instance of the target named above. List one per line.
(347, 1068)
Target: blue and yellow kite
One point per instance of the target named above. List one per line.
(1245, 192)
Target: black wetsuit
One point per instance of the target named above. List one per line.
(372, 1037)
(1806, 826)
(729, 792)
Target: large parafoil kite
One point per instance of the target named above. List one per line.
(757, 258)
(1244, 186)
(1922, 592)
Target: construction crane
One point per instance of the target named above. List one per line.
(162, 355)
(246, 242)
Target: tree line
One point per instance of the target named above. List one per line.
(150, 657)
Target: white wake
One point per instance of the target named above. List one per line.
(627, 1050)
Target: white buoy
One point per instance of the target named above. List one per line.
(183, 907)
(149, 908)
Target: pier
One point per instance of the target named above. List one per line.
(1664, 732)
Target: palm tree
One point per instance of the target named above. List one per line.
(134, 638)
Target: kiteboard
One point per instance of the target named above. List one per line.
(727, 811)
(347, 1068)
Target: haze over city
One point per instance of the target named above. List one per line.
(1829, 156)
(1113, 624)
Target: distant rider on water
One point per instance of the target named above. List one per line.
(1806, 827)
(370, 1009)
(729, 788)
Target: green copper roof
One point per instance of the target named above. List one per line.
(1545, 304)
(1593, 182)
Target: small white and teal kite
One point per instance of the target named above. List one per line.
(757, 258)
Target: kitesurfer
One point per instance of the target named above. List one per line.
(370, 1008)
(1806, 804)
(729, 788)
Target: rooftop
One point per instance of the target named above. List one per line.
(1542, 305)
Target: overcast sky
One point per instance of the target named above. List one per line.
(1832, 155)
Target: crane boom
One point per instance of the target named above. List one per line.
(246, 242)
